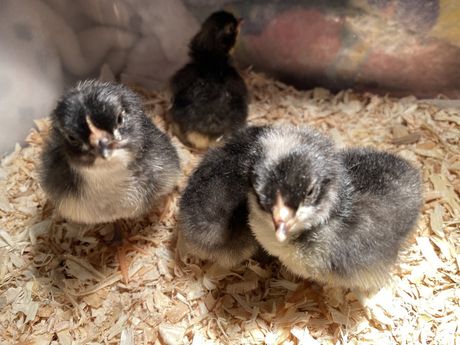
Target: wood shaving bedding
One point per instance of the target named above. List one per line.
(60, 284)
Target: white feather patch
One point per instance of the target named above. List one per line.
(108, 192)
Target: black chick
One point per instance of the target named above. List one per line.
(209, 97)
(213, 214)
(338, 217)
(104, 159)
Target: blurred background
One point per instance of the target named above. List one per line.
(396, 47)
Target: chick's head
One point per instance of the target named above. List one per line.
(96, 121)
(297, 188)
(217, 35)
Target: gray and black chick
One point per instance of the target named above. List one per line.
(213, 214)
(337, 217)
(104, 159)
(209, 97)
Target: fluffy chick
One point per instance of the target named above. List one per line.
(209, 97)
(104, 159)
(213, 214)
(338, 217)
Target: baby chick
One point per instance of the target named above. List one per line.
(209, 97)
(213, 214)
(338, 217)
(104, 159)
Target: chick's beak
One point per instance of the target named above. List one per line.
(100, 140)
(104, 149)
(239, 21)
(282, 219)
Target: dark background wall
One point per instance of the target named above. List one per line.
(399, 47)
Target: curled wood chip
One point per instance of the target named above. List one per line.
(217, 272)
(65, 338)
(127, 337)
(5, 204)
(95, 300)
(177, 312)
(304, 337)
(101, 285)
(339, 317)
(82, 269)
(29, 309)
(286, 284)
(428, 252)
(263, 273)
(118, 327)
(170, 334)
(436, 221)
(407, 139)
(242, 287)
(160, 299)
(10, 159)
(6, 239)
(39, 229)
(443, 186)
(320, 93)
(210, 301)
(399, 131)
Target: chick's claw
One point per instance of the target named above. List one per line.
(168, 201)
(124, 246)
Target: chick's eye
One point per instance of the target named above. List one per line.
(72, 140)
(121, 118)
(310, 191)
(229, 29)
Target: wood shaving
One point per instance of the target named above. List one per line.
(60, 282)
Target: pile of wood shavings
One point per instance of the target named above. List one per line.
(60, 283)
